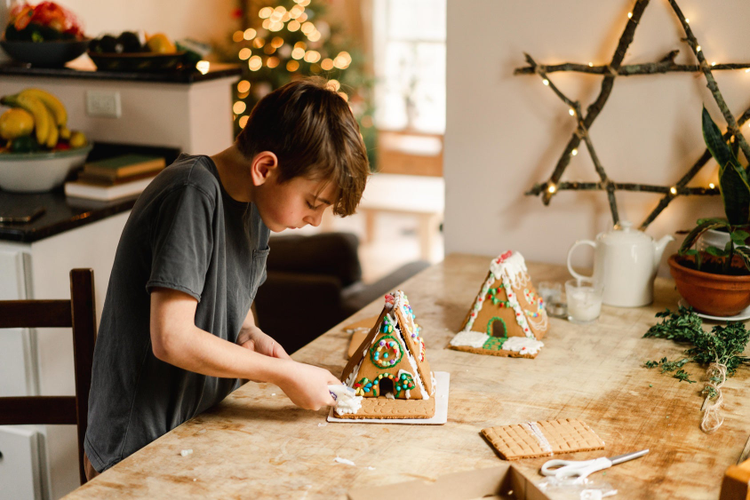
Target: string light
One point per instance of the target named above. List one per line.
(293, 26)
(203, 67)
(245, 54)
(272, 62)
(545, 81)
(265, 12)
(334, 85)
(698, 48)
(630, 15)
(327, 64)
(551, 188)
(239, 107)
(711, 185)
(571, 112)
(255, 63)
(673, 190)
(292, 66)
(591, 65)
(574, 152)
(687, 21)
(243, 86)
(713, 63)
(237, 36)
(249, 34)
(298, 53)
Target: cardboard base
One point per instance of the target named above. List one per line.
(492, 352)
(497, 482)
(397, 411)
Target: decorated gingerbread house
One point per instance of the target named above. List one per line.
(389, 369)
(508, 317)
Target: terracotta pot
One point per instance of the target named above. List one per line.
(714, 294)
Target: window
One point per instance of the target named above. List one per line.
(409, 51)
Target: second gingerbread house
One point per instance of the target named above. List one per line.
(507, 317)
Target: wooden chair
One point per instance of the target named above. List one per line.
(79, 313)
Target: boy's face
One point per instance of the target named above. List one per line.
(293, 204)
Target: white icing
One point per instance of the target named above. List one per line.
(348, 404)
(471, 339)
(513, 266)
(344, 461)
(524, 345)
(413, 364)
(535, 431)
(434, 383)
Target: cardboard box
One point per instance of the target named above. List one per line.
(503, 482)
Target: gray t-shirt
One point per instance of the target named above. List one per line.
(184, 233)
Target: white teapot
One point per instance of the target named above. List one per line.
(625, 261)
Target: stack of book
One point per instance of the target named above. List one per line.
(114, 178)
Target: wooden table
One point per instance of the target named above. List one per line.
(256, 444)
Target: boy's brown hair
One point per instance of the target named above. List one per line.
(313, 133)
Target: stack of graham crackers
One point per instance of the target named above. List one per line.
(117, 177)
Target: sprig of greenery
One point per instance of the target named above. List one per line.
(723, 345)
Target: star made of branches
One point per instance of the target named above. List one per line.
(615, 69)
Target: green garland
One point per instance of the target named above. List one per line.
(724, 345)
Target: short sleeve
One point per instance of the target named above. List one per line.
(182, 241)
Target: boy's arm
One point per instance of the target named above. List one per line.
(253, 338)
(176, 340)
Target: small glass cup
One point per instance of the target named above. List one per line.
(550, 291)
(584, 300)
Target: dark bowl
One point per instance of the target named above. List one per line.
(137, 61)
(46, 54)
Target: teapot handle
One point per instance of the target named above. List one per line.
(570, 254)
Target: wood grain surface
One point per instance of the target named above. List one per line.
(257, 444)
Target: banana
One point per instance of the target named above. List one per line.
(53, 133)
(64, 133)
(37, 109)
(53, 103)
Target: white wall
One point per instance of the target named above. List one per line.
(505, 132)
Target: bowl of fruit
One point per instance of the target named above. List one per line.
(45, 35)
(37, 151)
(131, 51)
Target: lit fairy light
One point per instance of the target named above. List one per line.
(343, 96)
(266, 24)
(292, 66)
(255, 63)
(249, 34)
(314, 36)
(239, 107)
(237, 36)
(293, 26)
(687, 21)
(272, 62)
(342, 60)
(203, 67)
(572, 112)
(591, 65)
(698, 48)
(265, 12)
(545, 81)
(711, 185)
(334, 85)
(713, 63)
(245, 54)
(673, 190)
(243, 86)
(277, 42)
(574, 152)
(298, 53)
(747, 70)
(243, 121)
(551, 188)
(630, 15)
(312, 56)
(259, 42)
(308, 27)
(327, 64)
(302, 17)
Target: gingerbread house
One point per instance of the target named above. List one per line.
(507, 317)
(389, 370)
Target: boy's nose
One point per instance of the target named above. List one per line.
(315, 219)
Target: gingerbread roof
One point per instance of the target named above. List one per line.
(393, 349)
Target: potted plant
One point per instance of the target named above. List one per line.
(716, 280)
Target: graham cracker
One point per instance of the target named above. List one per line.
(393, 408)
(492, 352)
(542, 439)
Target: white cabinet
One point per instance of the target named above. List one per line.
(40, 361)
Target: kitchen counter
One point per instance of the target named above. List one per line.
(84, 69)
(257, 444)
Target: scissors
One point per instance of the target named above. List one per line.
(581, 469)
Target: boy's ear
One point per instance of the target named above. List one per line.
(264, 166)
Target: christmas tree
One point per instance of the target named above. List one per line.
(284, 40)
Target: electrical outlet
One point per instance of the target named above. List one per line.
(105, 104)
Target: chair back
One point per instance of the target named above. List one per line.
(79, 313)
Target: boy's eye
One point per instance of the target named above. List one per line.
(310, 205)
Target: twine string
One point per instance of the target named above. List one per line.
(712, 416)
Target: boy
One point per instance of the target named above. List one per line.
(177, 333)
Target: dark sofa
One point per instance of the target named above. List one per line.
(315, 282)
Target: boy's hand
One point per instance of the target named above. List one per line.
(255, 340)
(307, 386)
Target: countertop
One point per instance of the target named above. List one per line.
(257, 444)
(63, 213)
(84, 68)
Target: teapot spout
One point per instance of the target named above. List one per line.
(659, 247)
